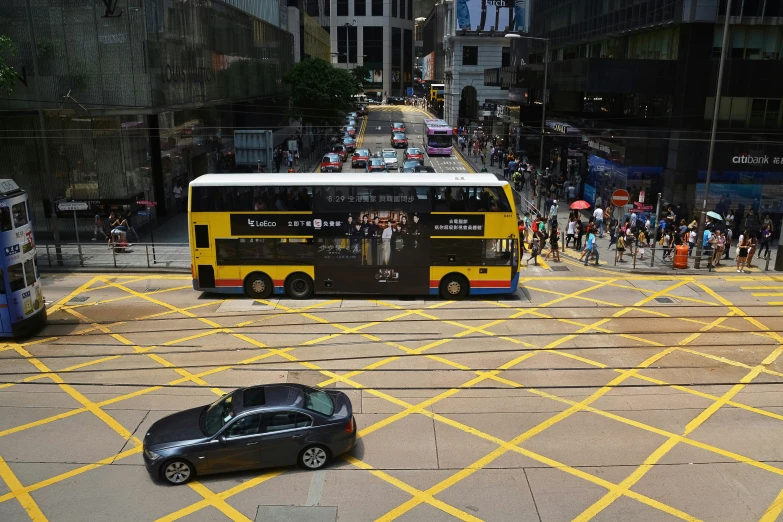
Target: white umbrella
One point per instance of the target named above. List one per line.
(715, 215)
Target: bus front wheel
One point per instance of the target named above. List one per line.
(258, 285)
(299, 286)
(454, 287)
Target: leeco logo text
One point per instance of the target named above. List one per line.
(754, 160)
(254, 223)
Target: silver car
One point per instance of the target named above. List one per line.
(390, 157)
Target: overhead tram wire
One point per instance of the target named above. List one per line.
(401, 354)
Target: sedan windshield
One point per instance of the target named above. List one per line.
(412, 152)
(318, 401)
(399, 136)
(389, 154)
(362, 152)
(217, 415)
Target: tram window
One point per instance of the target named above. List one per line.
(15, 277)
(30, 271)
(20, 214)
(5, 219)
(35, 264)
(2, 283)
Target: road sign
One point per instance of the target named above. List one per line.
(620, 198)
(410, 91)
(147, 203)
(641, 196)
(72, 205)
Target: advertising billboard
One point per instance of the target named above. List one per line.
(428, 67)
(520, 16)
(483, 15)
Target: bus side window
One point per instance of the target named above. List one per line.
(29, 270)
(20, 214)
(5, 219)
(15, 277)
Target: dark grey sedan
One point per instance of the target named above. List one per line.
(258, 427)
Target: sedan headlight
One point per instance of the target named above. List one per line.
(151, 454)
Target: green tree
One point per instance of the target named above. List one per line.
(320, 93)
(361, 74)
(7, 73)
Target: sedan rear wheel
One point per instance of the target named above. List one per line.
(314, 457)
(177, 472)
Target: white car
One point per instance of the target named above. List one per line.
(390, 157)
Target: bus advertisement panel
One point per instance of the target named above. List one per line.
(22, 308)
(439, 136)
(386, 235)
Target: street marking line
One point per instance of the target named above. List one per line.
(773, 511)
(700, 419)
(18, 490)
(70, 296)
(415, 493)
(487, 459)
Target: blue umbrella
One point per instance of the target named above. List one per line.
(715, 215)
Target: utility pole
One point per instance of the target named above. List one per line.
(49, 183)
(715, 114)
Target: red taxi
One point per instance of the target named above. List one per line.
(399, 140)
(360, 158)
(331, 162)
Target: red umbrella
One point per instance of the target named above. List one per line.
(580, 205)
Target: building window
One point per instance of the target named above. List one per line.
(505, 58)
(359, 7)
(377, 7)
(394, 8)
(470, 55)
(752, 42)
(410, 9)
(741, 113)
(342, 7)
(402, 8)
(346, 43)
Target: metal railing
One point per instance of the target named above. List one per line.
(175, 256)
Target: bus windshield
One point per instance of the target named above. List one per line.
(439, 140)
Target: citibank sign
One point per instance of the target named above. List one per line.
(754, 160)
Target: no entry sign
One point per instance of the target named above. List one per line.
(620, 198)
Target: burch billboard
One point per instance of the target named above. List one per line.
(483, 15)
(428, 67)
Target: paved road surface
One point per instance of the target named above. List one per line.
(609, 398)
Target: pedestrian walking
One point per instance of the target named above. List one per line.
(598, 215)
(98, 226)
(742, 252)
(177, 196)
(642, 239)
(620, 249)
(591, 249)
(752, 249)
(554, 238)
(766, 234)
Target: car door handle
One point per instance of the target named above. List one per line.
(252, 443)
(296, 437)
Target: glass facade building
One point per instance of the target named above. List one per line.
(136, 96)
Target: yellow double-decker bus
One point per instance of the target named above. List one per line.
(348, 233)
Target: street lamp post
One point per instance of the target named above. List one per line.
(715, 114)
(347, 43)
(543, 95)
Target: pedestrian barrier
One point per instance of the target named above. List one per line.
(680, 256)
(174, 256)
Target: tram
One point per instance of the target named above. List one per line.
(22, 308)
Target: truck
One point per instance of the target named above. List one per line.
(254, 149)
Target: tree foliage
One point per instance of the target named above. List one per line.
(320, 93)
(7, 73)
(361, 74)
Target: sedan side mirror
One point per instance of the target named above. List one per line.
(222, 439)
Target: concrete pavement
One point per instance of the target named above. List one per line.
(497, 409)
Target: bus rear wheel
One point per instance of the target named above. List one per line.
(454, 287)
(258, 285)
(299, 286)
